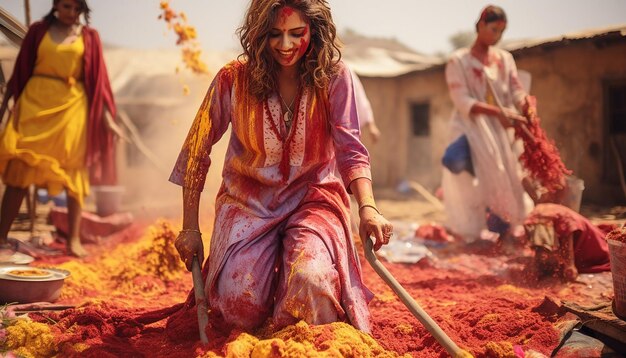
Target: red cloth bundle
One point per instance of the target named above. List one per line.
(541, 157)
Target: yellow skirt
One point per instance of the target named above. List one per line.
(48, 147)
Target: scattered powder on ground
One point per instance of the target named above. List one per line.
(482, 308)
(28, 339)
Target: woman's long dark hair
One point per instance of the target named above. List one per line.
(84, 10)
(319, 62)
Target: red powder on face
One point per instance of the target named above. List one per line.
(285, 12)
(304, 44)
(541, 157)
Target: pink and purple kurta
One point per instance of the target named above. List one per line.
(281, 246)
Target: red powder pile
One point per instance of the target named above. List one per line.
(541, 157)
(478, 312)
(479, 301)
(432, 232)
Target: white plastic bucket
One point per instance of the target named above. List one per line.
(574, 193)
(108, 199)
(617, 250)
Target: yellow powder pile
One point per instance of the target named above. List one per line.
(302, 340)
(143, 268)
(84, 280)
(499, 350)
(30, 339)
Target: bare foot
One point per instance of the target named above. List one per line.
(75, 248)
(570, 273)
(10, 255)
(6, 252)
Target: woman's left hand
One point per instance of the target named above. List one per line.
(113, 127)
(530, 108)
(373, 224)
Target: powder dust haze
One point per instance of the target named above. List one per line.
(161, 100)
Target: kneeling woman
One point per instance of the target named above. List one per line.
(282, 247)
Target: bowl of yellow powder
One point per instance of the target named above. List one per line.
(23, 284)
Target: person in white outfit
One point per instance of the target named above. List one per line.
(364, 109)
(488, 98)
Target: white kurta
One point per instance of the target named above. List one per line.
(497, 184)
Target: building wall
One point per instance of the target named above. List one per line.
(388, 155)
(399, 155)
(568, 80)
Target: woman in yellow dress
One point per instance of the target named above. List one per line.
(56, 136)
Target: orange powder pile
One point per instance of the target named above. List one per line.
(145, 269)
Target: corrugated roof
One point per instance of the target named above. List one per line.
(380, 59)
(380, 62)
(383, 57)
(616, 31)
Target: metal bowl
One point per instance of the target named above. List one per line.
(46, 288)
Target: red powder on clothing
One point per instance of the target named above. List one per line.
(541, 157)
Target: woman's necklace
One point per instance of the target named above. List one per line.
(288, 115)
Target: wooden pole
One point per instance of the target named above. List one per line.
(27, 12)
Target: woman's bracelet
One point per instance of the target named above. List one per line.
(369, 206)
(184, 231)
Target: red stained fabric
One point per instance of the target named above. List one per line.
(541, 157)
(432, 232)
(591, 251)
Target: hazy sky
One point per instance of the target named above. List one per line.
(424, 26)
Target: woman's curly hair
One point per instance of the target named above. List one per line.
(319, 63)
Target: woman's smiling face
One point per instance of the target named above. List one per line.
(289, 37)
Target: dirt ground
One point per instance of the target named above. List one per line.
(478, 296)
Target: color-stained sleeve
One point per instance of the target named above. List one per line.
(458, 86)
(209, 125)
(352, 156)
(518, 94)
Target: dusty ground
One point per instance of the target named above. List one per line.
(459, 286)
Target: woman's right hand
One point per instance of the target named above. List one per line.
(373, 224)
(189, 244)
